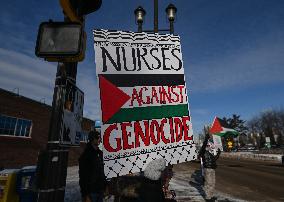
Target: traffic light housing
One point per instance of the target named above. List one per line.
(60, 41)
(75, 9)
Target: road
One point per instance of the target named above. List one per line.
(253, 181)
(246, 180)
(236, 181)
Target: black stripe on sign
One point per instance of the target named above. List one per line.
(129, 80)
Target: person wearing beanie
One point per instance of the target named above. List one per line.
(209, 156)
(92, 179)
(143, 187)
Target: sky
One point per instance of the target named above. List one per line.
(232, 52)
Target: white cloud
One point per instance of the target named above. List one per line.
(249, 66)
(34, 77)
(14, 34)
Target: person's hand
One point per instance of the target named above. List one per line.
(207, 136)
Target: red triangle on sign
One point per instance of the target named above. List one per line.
(216, 127)
(112, 98)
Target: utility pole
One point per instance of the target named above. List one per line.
(53, 161)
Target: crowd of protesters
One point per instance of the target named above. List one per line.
(148, 186)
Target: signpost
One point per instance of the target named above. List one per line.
(144, 101)
(63, 42)
(268, 142)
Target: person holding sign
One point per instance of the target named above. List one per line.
(92, 179)
(209, 156)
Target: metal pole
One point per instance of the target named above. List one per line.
(139, 26)
(156, 16)
(53, 162)
(54, 125)
(171, 27)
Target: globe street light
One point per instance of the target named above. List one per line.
(139, 14)
(171, 12)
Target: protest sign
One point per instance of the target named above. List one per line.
(144, 102)
(217, 142)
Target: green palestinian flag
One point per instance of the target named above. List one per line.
(221, 128)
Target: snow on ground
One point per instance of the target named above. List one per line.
(72, 190)
(253, 156)
(186, 187)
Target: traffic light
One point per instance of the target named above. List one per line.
(66, 41)
(75, 9)
(60, 41)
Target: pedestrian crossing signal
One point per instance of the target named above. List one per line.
(61, 41)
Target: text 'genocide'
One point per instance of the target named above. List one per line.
(152, 134)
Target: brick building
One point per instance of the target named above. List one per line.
(24, 125)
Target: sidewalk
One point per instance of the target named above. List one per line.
(185, 183)
(188, 186)
(72, 190)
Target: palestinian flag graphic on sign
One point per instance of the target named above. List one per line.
(142, 97)
(221, 128)
(144, 101)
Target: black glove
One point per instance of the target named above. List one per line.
(207, 136)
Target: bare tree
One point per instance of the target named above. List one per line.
(268, 124)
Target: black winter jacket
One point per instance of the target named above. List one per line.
(91, 171)
(145, 190)
(209, 160)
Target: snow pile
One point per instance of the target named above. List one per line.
(252, 156)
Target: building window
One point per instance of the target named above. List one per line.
(15, 126)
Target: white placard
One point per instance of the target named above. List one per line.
(217, 142)
(144, 101)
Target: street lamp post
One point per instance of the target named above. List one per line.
(171, 11)
(139, 14)
(156, 14)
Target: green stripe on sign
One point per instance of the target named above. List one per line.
(148, 113)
